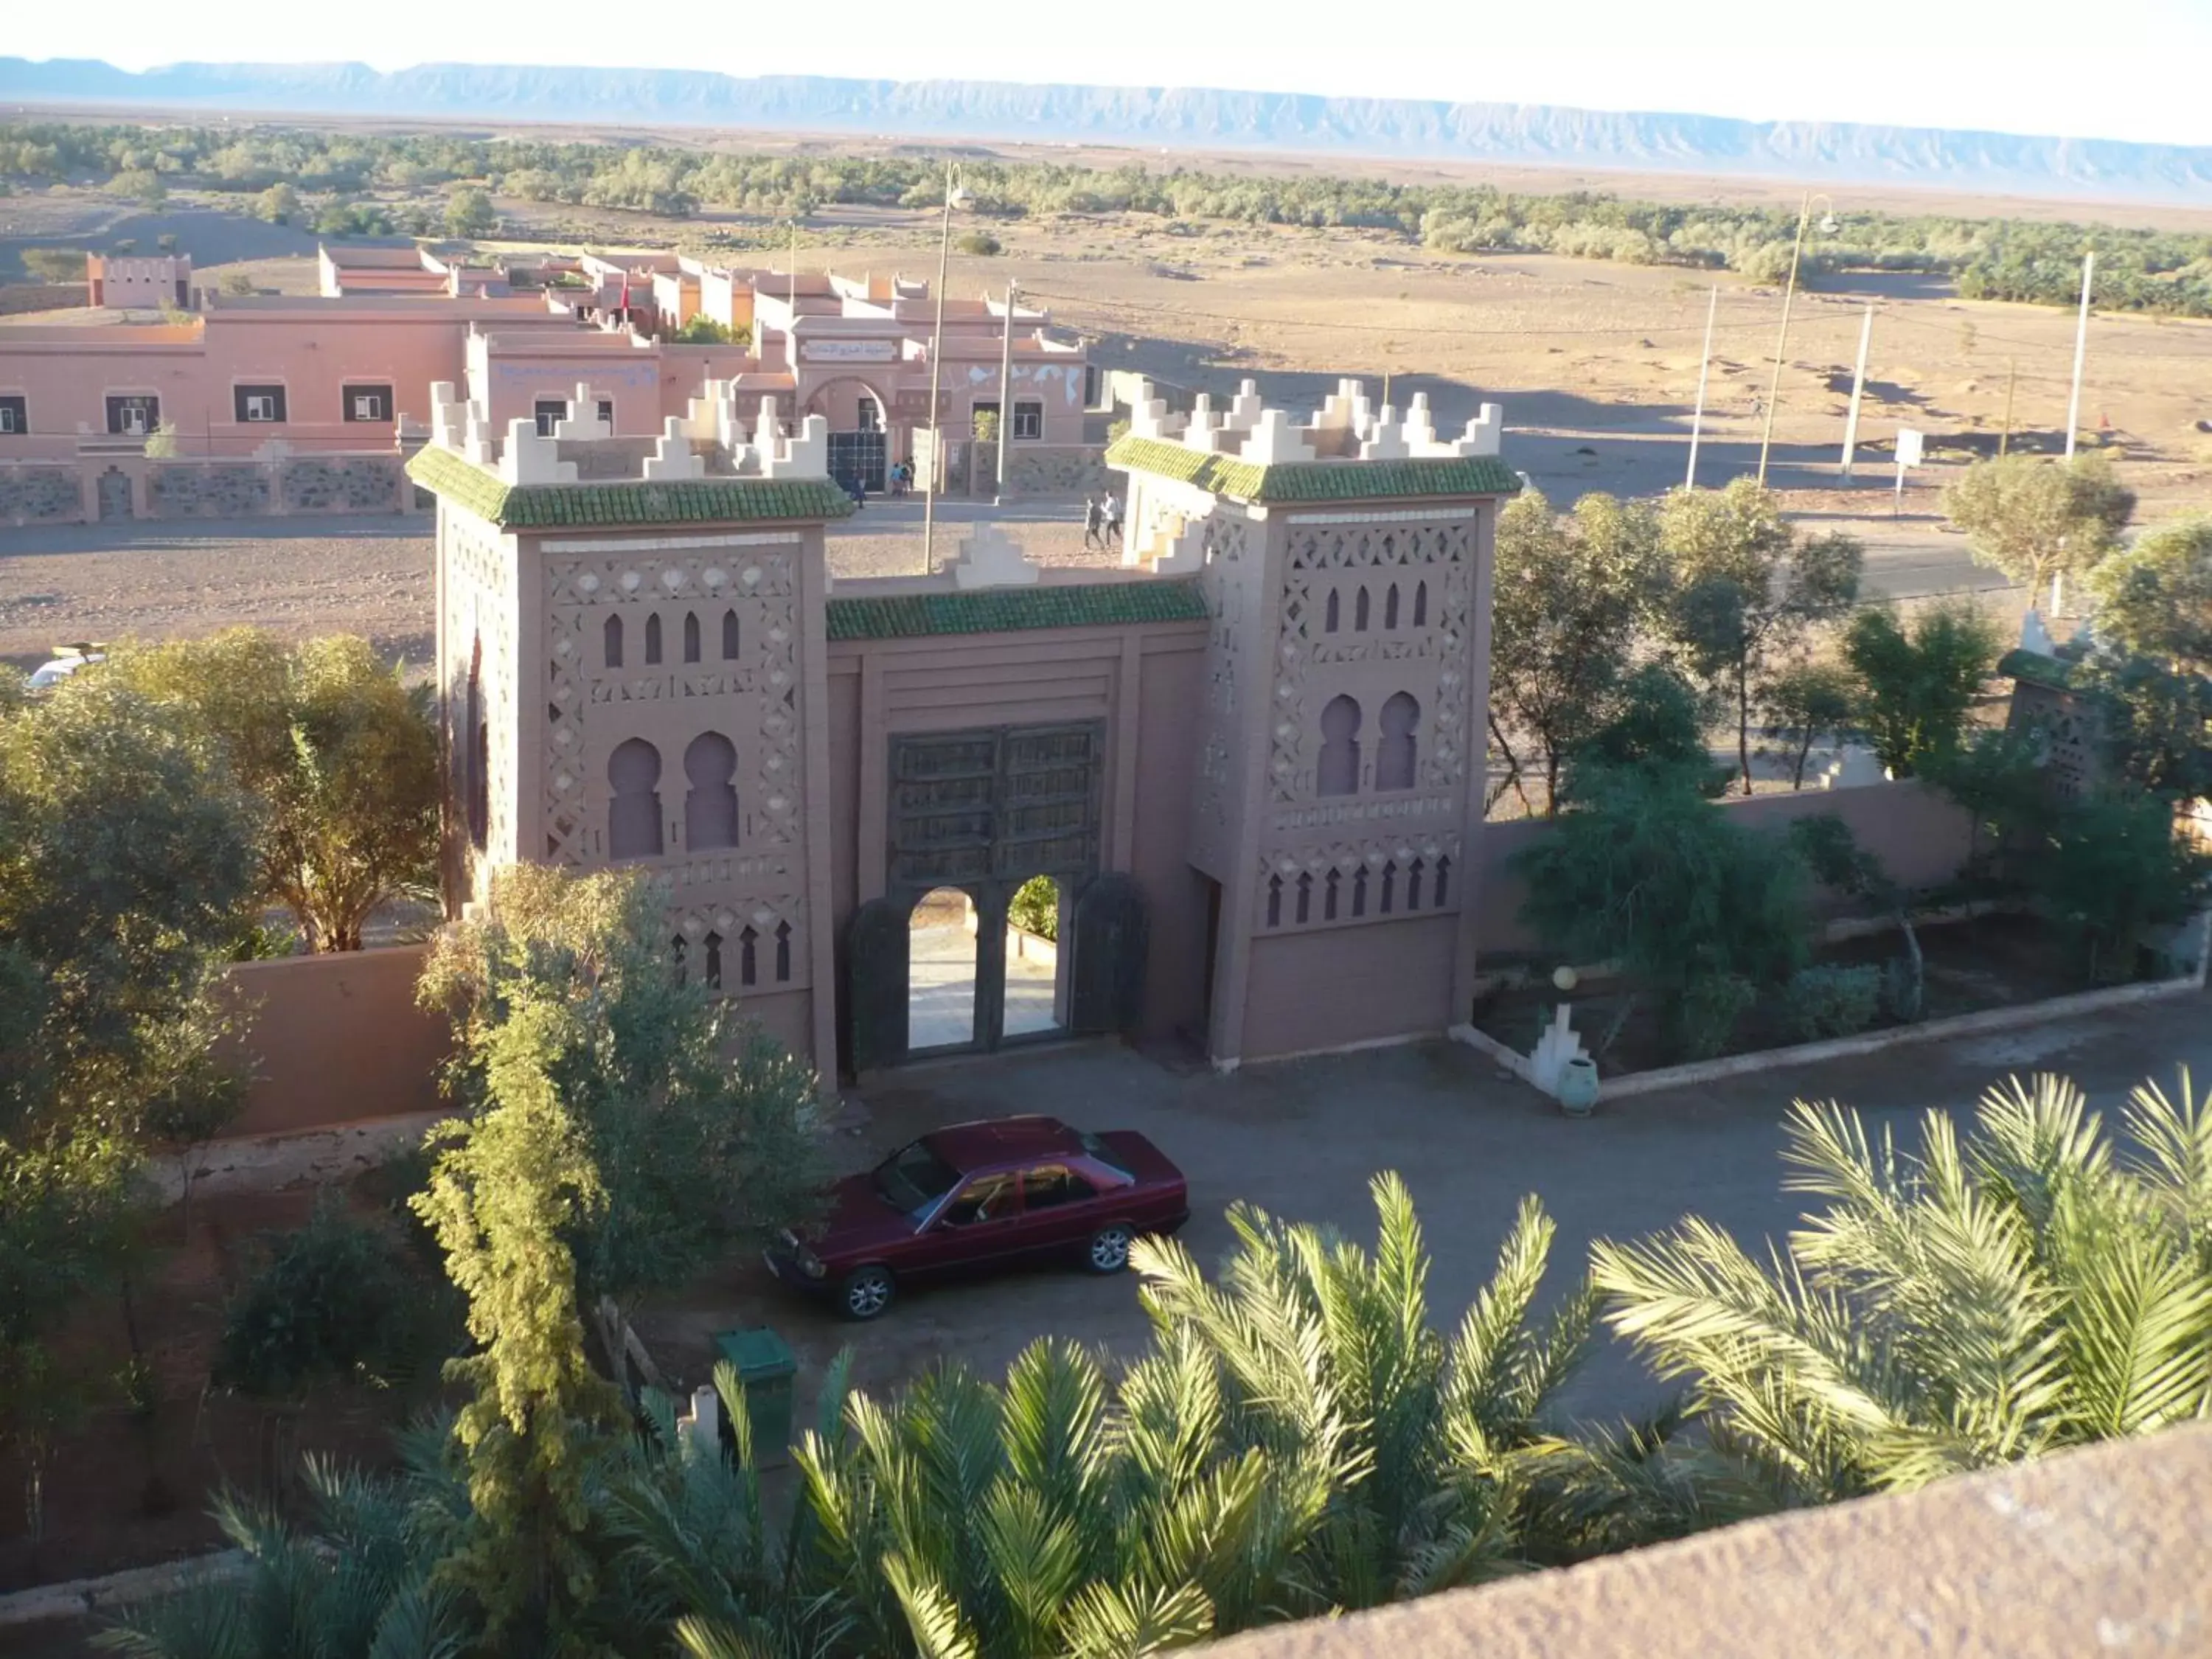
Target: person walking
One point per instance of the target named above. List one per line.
(1094, 525)
(1113, 522)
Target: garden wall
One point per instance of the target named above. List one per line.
(1921, 836)
(110, 485)
(335, 1038)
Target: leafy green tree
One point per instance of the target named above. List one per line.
(1648, 872)
(2005, 1292)
(508, 1187)
(1746, 589)
(699, 1134)
(1570, 595)
(1803, 704)
(2037, 519)
(54, 265)
(1655, 722)
(279, 204)
(703, 330)
(2154, 599)
(1917, 681)
(161, 443)
(2116, 864)
(469, 212)
(2156, 722)
(141, 185)
(342, 756)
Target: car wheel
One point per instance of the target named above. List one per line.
(867, 1293)
(1109, 1249)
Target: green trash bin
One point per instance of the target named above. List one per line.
(765, 1364)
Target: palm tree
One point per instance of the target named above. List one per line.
(1993, 1298)
(1297, 1439)
(357, 1584)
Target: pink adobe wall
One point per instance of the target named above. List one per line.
(335, 1038)
(1921, 835)
(1348, 985)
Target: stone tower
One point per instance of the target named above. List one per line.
(1340, 756)
(630, 668)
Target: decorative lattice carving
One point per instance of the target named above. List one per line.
(1224, 582)
(1345, 883)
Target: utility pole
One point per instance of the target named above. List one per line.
(1704, 366)
(1006, 393)
(2080, 350)
(1858, 387)
(936, 363)
(1782, 340)
(2011, 384)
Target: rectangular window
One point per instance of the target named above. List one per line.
(607, 412)
(133, 415)
(551, 412)
(15, 417)
(982, 419)
(367, 402)
(1091, 385)
(1029, 420)
(259, 406)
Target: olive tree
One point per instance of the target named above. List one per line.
(1747, 590)
(2037, 519)
(1570, 595)
(1918, 680)
(2154, 599)
(341, 754)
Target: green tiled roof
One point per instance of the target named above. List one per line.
(2037, 669)
(1002, 609)
(688, 500)
(1315, 480)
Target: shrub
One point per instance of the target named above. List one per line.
(333, 1299)
(2116, 864)
(1702, 1019)
(1824, 1002)
(980, 243)
(1035, 908)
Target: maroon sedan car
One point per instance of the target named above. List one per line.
(982, 1195)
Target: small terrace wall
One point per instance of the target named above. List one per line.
(334, 1039)
(115, 486)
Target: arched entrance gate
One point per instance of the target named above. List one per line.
(859, 435)
(981, 812)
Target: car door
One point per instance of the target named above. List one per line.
(1061, 1209)
(979, 1224)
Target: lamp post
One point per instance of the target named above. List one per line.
(936, 362)
(1789, 295)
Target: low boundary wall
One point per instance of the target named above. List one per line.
(121, 487)
(333, 1039)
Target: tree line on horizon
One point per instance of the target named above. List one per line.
(2140, 270)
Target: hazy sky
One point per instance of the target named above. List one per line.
(2135, 69)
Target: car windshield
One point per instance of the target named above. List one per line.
(913, 1178)
(1101, 1153)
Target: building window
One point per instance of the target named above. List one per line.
(1335, 613)
(652, 639)
(1421, 605)
(1390, 608)
(133, 415)
(551, 412)
(612, 634)
(783, 952)
(729, 636)
(1274, 901)
(1360, 612)
(710, 805)
(1091, 385)
(258, 406)
(1339, 771)
(691, 636)
(15, 417)
(1029, 420)
(634, 812)
(983, 420)
(372, 403)
(1305, 895)
(1394, 755)
(607, 419)
(748, 957)
(713, 962)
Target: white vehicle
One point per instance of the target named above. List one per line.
(66, 660)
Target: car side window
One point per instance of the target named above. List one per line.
(1051, 1185)
(987, 1198)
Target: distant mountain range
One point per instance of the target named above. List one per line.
(1164, 117)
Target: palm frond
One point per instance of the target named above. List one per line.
(932, 1617)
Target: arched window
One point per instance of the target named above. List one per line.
(1389, 887)
(782, 951)
(1390, 607)
(1443, 880)
(691, 636)
(1414, 885)
(1329, 891)
(1360, 612)
(1331, 613)
(1393, 755)
(729, 636)
(1305, 895)
(1420, 604)
(1359, 891)
(634, 814)
(748, 956)
(652, 639)
(1274, 901)
(713, 962)
(682, 968)
(710, 805)
(612, 634)
(1339, 771)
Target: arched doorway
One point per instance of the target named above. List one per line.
(860, 431)
(942, 950)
